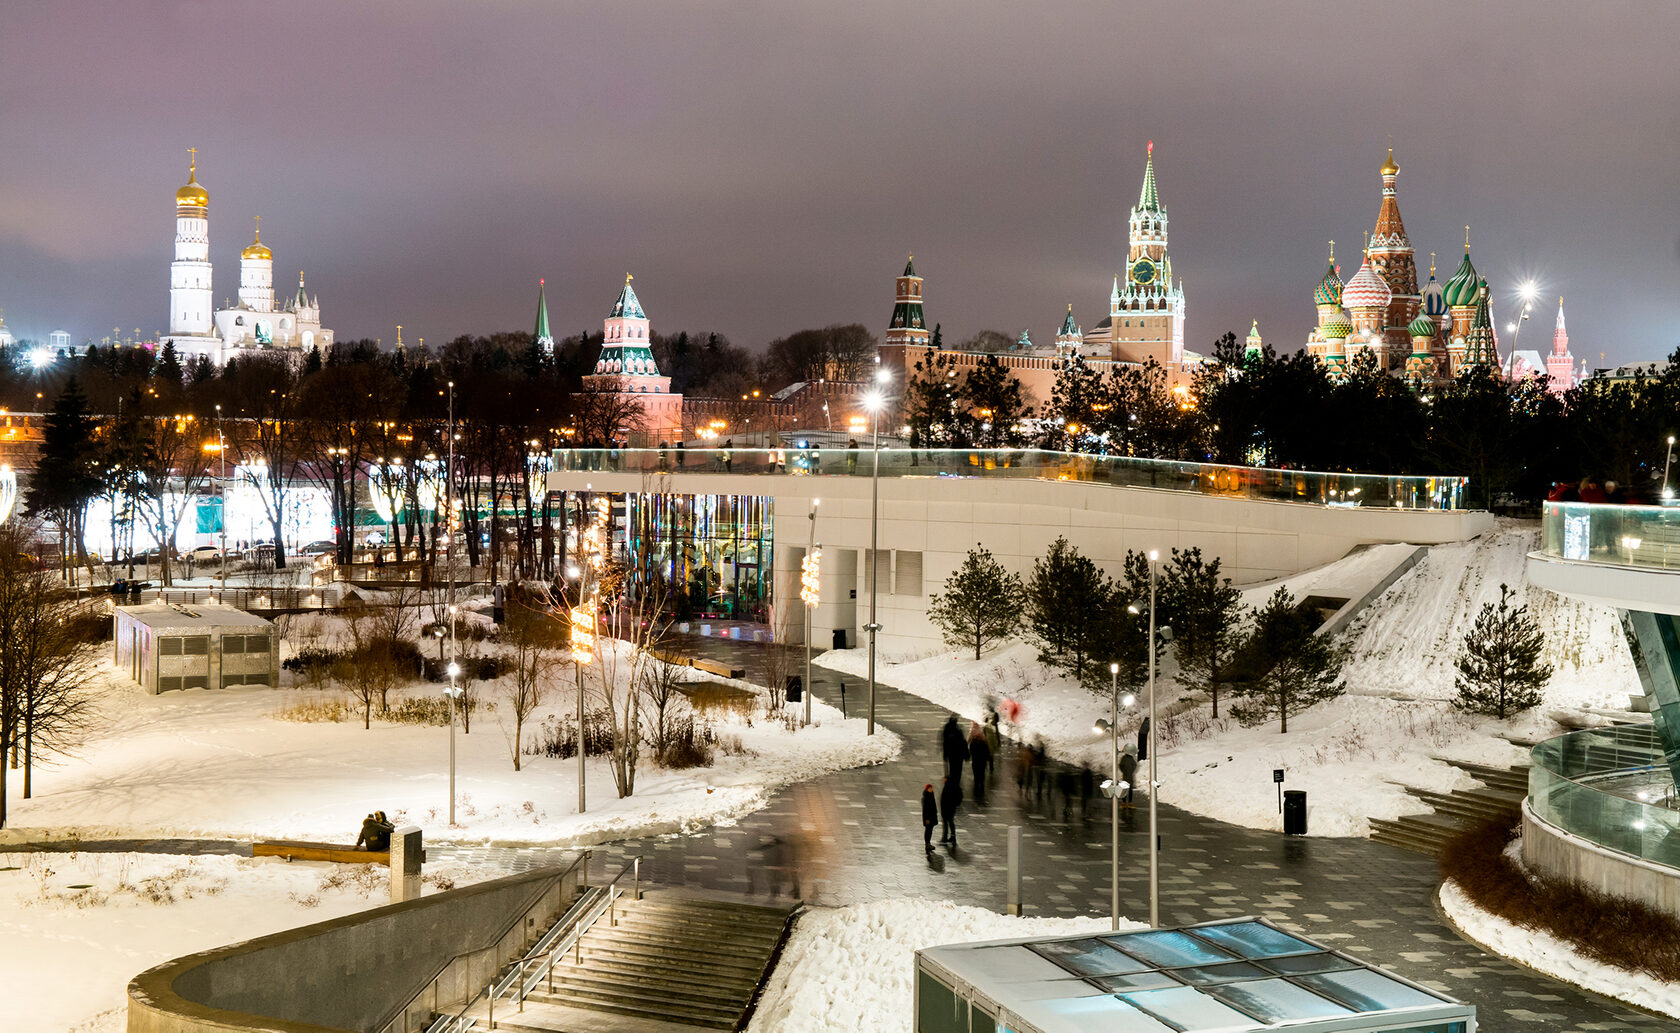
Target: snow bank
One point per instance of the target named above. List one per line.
(853, 968)
(222, 764)
(1349, 753)
(1547, 954)
(77, 927)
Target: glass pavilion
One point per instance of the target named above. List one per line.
(1236, 975)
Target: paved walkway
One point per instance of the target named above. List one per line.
(856, 835)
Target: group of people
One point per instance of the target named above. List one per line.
(978, 749)
(1591, 489)
(376, 832)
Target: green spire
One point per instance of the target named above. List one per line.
(1479, 346)
(1149, 200)
(910, 266)
(545, 338)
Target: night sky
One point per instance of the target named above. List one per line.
(763, 167)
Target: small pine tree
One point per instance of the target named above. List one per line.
(1300, 666)
(982, 602)
(1205, 611)
(1499, 667)
(1067, 599)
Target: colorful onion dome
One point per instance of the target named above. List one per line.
(1390, 167)
(1422, 326)
(192, 195)
(257, 249)
(1366, 289)
(1430, 301)
(1338, 326)
(1329, 290)
(1460, 291)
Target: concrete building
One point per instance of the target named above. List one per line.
(204, 646)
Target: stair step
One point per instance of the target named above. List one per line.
(752, 966)
(673, 943)
(649, 971)
(750, 929)
(642, 1004)
(651, 983)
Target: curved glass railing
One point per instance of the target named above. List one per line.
(1610, 786)
(1246, 482)
(1629, 536)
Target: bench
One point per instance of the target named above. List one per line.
(293, 850)
(722, 670)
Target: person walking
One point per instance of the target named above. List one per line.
(1128, 773)
(994, 741)
(980, 755)
(1143, 740)
(930, 816)
(953, 747)
(950, 798)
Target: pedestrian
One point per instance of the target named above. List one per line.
(1041, 769)
(930, 816)
(950, 797)
(851, 456)
(843, 704)
(1128, 772)
(1023, 769)
(994, 741)
(952, 747)
(980, 755)
(729, 455)
(680, 455)
(1143, 740)
(1087, 789)
(1066, 784)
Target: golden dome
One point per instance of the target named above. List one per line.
(256, 248)
(192, 195)
(1389, 168)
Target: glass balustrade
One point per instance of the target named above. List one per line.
(1244, 482)
(1630, 536)
(1610, 786)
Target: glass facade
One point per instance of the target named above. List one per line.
(1240, 974)
(713, 553)
(1245, 482)
(1589, 783)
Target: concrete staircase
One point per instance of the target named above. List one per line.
(668, 963)
(1499, 797)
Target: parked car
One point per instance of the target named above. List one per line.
(203, 554)
(321, 548)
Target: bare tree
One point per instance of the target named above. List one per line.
(359, 670)
(392, 624)
(658, 680)
(532, 635)
(47, 654)
(169, 455)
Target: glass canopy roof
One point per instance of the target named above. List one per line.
(1243, 974)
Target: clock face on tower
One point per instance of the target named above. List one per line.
(1143, 271)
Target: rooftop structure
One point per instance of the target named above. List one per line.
(1234, 975)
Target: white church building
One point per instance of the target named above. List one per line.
(257, 323)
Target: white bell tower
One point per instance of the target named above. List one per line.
(189, 275)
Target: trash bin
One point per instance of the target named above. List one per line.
(1294, 812)
(795, 688)
(839, 638)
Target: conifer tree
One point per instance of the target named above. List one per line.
(1067, 599)
(1499, 667)
(1299, 666)
(1204, 610)
(982, 602)
(65, 478)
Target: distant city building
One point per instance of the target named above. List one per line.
(257, 322)
(59, 342)
(6, 338)
(1560, 365)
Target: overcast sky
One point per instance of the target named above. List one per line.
(763, 167)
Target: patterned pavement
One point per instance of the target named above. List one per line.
(856, 835)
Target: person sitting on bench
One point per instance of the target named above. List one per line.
(376, 832)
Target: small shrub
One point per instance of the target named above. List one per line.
(688, 745)
(428, 710)
(312, 665)
(315, 711)
(1617, 931)
(557, 737)
(482, 668)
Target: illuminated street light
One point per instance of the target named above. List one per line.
(874, 401)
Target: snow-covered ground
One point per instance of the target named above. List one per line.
(75, 928)
(1347, 753)
(853, 967)
(225, 764)
(1545, 953)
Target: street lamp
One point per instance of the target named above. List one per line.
(874, 402)
(1154, 784)
(810, 593)
(1668, 457)
(1527, 292)
(449, 561)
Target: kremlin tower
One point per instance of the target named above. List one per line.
(1146, 315)
(626, 367)
(1560, 365)
(190, 300)
(1068, 338)
(907, 327)
(542, 335)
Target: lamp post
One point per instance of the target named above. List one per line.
(1527, 292)
(1114, 800)
(875, 401)
(221, 491)
(1154, 786)
(449, 561)
(810, 593)
(1668, 457)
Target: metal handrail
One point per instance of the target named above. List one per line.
(538, 963)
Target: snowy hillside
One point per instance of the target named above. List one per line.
(1347, 754)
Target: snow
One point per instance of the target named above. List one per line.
(1353, 755)
(1543, 952)
(854, 967)
(69, 954)
(222, 764)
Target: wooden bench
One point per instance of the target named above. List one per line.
(722, 670)
(293, 850)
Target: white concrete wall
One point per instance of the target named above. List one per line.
(1547, 848)
(1017, 519)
